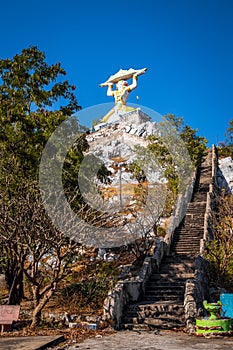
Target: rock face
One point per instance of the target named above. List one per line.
(134, 202)
(225, 174)
(114, 144)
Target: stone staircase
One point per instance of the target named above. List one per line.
(162, 305)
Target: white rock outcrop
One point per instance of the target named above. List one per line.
(225, 174)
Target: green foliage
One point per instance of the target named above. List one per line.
(24, 82)
(196, 145)
(225, 149)
(137, 171)
(166, 161)
(169, 150)
(28, 91)
(90, 292)
(96, 122)
(229, 133)
(161, 231)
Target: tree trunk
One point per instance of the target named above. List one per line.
(14, 281)
(39, 303)
(36, 317)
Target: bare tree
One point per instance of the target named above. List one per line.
(220, 250)
(34, 246)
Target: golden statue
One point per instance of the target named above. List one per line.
(123, 89)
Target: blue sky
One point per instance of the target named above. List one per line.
(187, 47)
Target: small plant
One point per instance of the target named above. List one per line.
(91, 291)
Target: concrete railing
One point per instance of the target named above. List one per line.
(196, 290)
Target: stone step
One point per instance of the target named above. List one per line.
(179, 276)
(166, 287)
(191, 253)
(154, 320)
(195, 227)
(161, 296)
(186, 227)
(185, 248)
(177, 264)
(173, 274)
(140, 317)
(175, 271)
(187, 240)
(187, 223)
(181, 251)
(185, 244)
(191, 218)
(196, 210)
(148, 326)
(145, 305)
(160, 285)
(144, 311)
(153, 314)
(194, 213)
(194, 204)
(200, 197)
(171, 258)
(190, 233)
(194, 216)
(195, 223)
(174, 298)
(184, 240)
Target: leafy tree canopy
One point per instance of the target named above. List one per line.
(30, 90)
(225, 148)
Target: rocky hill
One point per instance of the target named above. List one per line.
(116, 145)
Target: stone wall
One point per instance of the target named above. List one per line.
(129, 290)
(196, 290)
